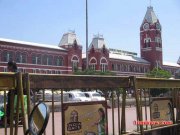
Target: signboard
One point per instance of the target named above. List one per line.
(162, 112)
(84, 118)
(121, 52)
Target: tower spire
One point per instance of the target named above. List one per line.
(150, 3)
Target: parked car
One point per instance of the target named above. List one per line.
(47, 96)
(94, 96)
(77, 96)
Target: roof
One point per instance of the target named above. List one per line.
(177, 74)
(170, 64)
(123, 57)
(178, 60)
(127, 58)
(31, 44)
(97, 42)
(68, 39)
(150, 16)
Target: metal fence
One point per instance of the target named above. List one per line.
(120, 116)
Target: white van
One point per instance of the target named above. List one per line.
(77, 96)
(94, 96)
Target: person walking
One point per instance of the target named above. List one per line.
(11, 67)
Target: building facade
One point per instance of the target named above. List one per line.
(42, 58)
(67, 57)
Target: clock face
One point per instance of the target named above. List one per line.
(158, 26)
(146, 26)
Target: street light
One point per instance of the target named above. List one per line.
(87, 65)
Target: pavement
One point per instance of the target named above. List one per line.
(130, 117)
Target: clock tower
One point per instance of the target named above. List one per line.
(150, 39)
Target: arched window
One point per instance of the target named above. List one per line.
(104, 64)
(142, 69)
(131, 68)
(93, 63)
(21, 57)
(74, 62)
(36, 59)
(7, 56)
(147, 42)
(47, 60)
(58, 61)
(125, 68)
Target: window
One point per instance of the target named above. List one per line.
(92, 66)
(118, 67)
(131, 68)
(57, 72)
(49, 72)
(147, 42)
(47, 60)
(36, 59)
(103, 67)
(74, 65)
(5, 69)
(74, 62)
(125, 68)
(7, 56)
(93, 63)
(142, 69)
(53, 72)
(158, 41)
(70, 96)
(103, 63)
(58, 61)
(34, 70)
(87, 95)
(21, 57)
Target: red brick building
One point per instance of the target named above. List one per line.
(41, 58)
(127, 63)
(67, 56)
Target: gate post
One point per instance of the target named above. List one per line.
(138, 108)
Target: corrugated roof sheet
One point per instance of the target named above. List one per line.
(170, 64)
(128, 58)
(31, 44)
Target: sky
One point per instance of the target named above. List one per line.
(45, 21)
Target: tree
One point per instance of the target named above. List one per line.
(93, 72)
(158, 73)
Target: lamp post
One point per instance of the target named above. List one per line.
(87, 65)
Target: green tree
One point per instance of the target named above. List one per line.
(93, 72)
(158, 73)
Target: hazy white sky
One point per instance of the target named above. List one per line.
(45, 21)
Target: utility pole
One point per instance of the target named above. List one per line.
(87, 64)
